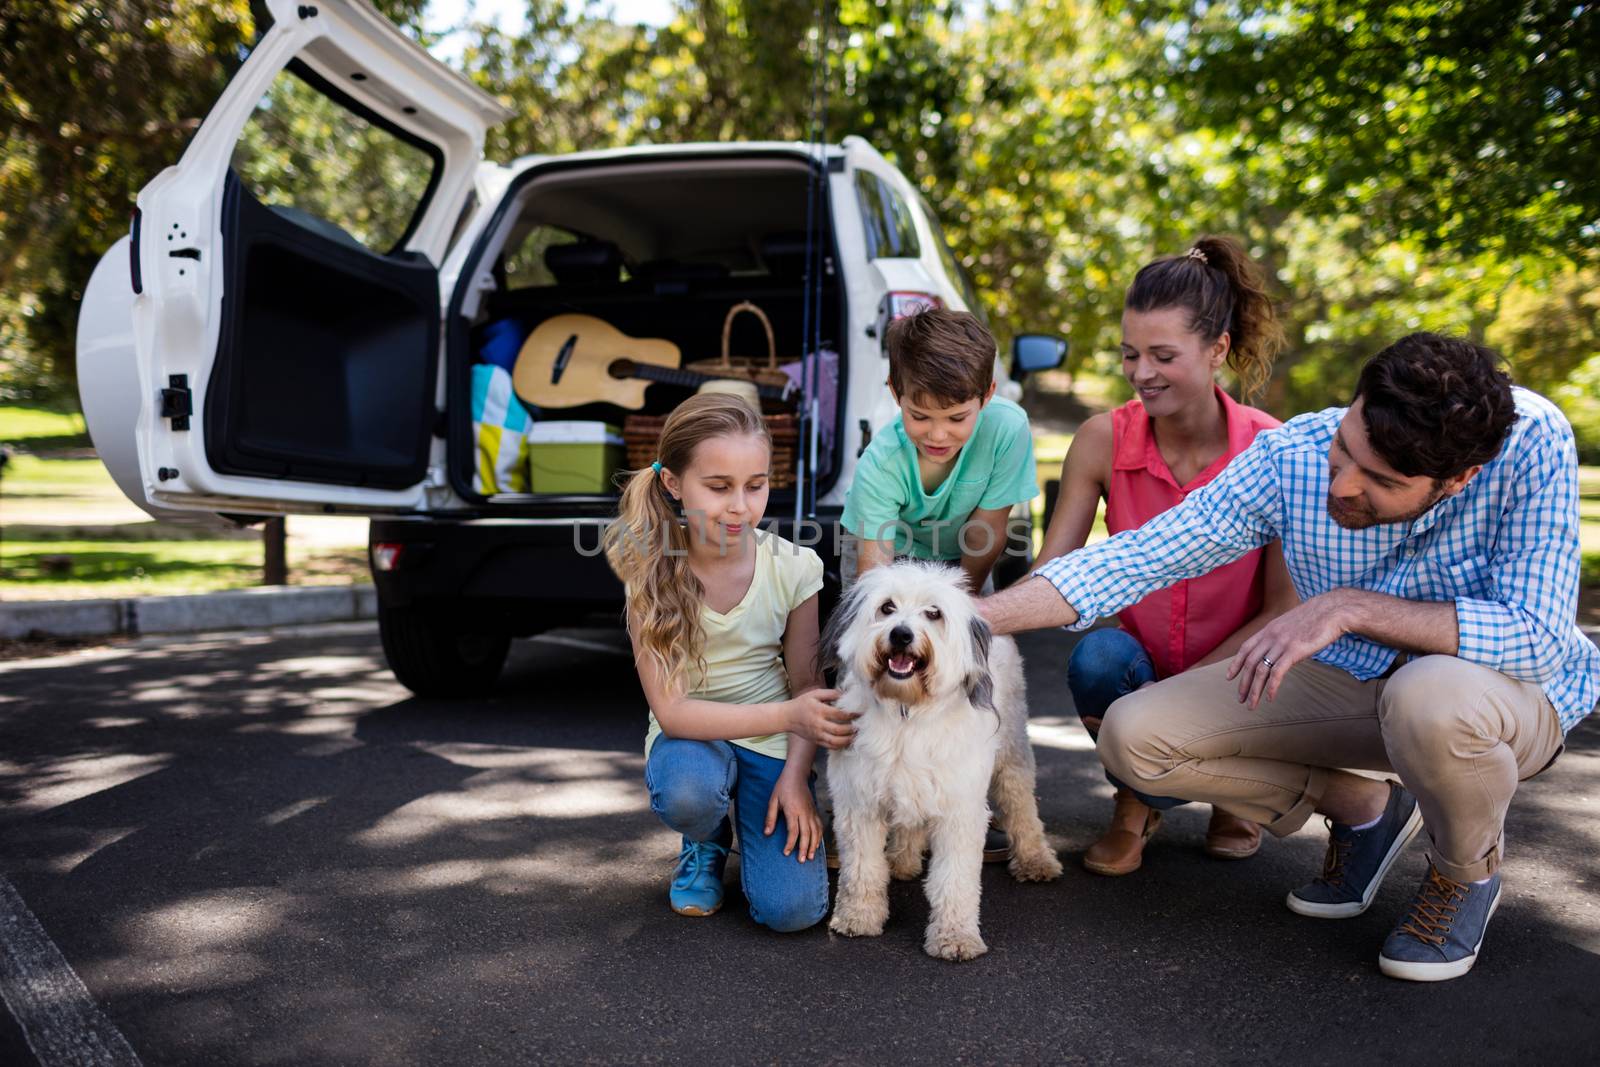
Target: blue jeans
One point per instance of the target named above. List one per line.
(1106, 665)
(692, 786)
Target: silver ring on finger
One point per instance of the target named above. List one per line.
(1268, 661)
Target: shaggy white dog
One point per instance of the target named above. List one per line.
(943, 722)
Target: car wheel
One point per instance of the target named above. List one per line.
(434, 656)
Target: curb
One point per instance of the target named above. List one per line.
(236, 609)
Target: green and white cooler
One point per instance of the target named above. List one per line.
(574, 457)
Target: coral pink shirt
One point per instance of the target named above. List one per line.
(1180, 625)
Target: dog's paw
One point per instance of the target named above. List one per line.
(859, 919)
(954, 943)
(1040, 866)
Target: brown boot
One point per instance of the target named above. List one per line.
(1230, 837)
(1120, 849)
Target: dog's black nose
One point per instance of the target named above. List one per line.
(900, 636)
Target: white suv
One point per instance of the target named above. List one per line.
(291, 324)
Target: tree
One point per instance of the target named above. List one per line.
(74, 153)
(1393, 167)
(95, 99)
(1465, 125)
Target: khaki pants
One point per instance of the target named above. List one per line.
(1460, 737)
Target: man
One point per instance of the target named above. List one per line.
(1431, 529)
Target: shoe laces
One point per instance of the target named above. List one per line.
(1334, 859)
(1433, 908)
(697, 856)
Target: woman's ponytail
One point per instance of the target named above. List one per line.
(1223, 289)
(1254, 327)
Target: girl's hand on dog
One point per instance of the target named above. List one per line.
(813, 716)
(791, 797)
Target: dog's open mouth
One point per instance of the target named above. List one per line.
(902, 665)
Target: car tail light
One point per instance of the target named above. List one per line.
(899, 304)
(386, 555)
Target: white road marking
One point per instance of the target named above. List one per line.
(59, 1018)
(299, 807)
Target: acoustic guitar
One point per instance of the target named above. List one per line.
(579, 359)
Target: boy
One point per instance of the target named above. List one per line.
(940, 481)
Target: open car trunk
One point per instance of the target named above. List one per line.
(657, 249)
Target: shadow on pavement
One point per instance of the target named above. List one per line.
(262, 850)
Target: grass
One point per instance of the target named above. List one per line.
(38, 430)
(69, 512)
(1589, 482)
(35, 476)
(125, 568)
(1049, 449)
(156, 568)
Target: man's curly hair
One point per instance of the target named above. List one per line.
(1436, 405)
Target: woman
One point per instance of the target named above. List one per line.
(1184, 317)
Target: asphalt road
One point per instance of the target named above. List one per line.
(259, 849)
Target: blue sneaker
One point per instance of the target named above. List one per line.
(1441, 933)
(697, 881)
(1357, 860)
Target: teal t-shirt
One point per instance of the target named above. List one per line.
(994, 469)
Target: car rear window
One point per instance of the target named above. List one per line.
(891, 234)
(320, 159)
(525, 265)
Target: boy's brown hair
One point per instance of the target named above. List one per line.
(939, 355)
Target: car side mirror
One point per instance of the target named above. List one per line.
(1031, 352)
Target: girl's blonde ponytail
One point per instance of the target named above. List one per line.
(648, 546)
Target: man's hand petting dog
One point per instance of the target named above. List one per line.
(813, 716)
(791, 798)
(1265, 658)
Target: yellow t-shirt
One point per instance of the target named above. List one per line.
(744, 647)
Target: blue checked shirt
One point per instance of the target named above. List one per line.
(1504, 549)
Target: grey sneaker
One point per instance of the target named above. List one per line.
(1357, 860)
(1441, 933)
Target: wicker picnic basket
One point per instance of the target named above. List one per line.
(642, 433)
(746, 368)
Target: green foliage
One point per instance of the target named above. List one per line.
(1579, 398)
(1467, 125)
(300, 150)
(1393, 167)
(94, 100)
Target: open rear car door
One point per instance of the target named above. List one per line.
(267, 337)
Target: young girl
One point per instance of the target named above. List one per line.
(1183, 318)
(724, 630)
